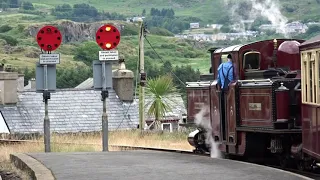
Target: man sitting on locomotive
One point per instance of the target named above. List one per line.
(225, 73)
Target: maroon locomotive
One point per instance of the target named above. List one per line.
(271, 110)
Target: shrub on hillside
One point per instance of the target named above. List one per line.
(27, 6)
(160, 31)
(5, 28)
(10, 40)
(129, 31)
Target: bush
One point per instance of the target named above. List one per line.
(129, 31)
(27, 6)
(10, 40)
(5, 28)
(160, 31)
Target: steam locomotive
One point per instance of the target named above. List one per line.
(271, 110)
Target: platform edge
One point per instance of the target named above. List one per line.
(27, 163)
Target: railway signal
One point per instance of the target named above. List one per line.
(108, 38)
(49, 39)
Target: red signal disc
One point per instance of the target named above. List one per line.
(108, 37)
(49, 38)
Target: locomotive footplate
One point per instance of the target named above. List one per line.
(269, 130)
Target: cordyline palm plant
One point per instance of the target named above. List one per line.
(158, 88)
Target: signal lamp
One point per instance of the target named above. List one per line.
(108, 45)
(108, 28)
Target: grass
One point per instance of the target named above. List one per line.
(177, 51)
(92, 142)
(207, 10)
(195, 8)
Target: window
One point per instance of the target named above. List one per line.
(310, 71)
(166, 127)
(251, 60)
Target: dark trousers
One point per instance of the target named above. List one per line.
(223, 113)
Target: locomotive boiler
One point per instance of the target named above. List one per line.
(272, 109)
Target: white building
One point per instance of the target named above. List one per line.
(194, 25)
(296, 27)
(134, 19)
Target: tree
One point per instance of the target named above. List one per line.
(13, 3)
(87, 52)
(27, 6)
(158, 88)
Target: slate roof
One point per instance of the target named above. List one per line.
(87, 84)
(310, 41)
(70, 110)
(174, 101)
(79, 110)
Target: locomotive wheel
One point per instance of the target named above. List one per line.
(283, 161)
(301, 165)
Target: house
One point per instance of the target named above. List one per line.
(215, 26)
(70, 110)
(194, 25)
(134, 19)
(171, 120)
(175, 102)
(296, 27)
(73, 110)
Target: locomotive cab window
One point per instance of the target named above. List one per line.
(251, 61)
(310, 71)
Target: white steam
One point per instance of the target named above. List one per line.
(202, 119)
(269, 9)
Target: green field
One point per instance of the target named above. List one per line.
(177, 51)
(207, 10)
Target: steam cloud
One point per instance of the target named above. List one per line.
(269, 9)
(203, 121)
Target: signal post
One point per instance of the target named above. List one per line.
(49, 39)
(108, 38)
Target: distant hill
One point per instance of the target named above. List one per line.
(210, 11)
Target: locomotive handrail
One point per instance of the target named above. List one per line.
(200, 83)
(255, 80)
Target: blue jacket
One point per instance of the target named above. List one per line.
(225, 70)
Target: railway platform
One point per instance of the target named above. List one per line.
(143, 164)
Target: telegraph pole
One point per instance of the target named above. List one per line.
(142, 76)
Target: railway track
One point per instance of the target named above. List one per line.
(123, 147)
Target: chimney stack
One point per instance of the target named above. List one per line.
(20, 86)
(32, 83)
(123, 82)
(8, 87)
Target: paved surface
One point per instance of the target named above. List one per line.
(133, 165)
